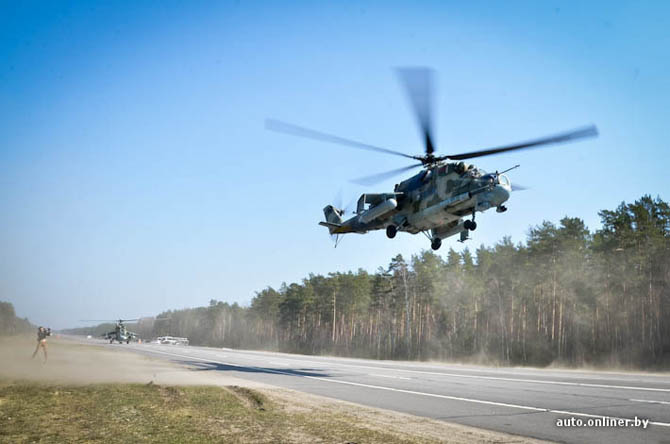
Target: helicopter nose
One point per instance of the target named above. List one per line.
(502, 192)
(505, 182)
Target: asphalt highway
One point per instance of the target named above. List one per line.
(521, 401)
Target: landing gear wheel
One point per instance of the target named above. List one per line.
(470, 225)
(436, 244)
(391, 231)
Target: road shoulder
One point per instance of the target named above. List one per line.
(76, 364)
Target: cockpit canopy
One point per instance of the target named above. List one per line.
(496, 178)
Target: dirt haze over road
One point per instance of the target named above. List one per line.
(72, 362)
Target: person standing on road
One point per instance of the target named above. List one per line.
(42, 334)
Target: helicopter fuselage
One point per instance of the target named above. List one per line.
(120, 334)
(434, 200)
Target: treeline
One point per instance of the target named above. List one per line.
(96, 330)
(566, 295)
(10, 324)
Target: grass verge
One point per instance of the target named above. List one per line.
(113, 413)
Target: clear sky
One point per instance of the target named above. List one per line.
(136, 175)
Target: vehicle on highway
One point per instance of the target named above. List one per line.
(171, 340)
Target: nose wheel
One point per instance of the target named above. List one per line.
(391, 231)
(470, 225)
(436, 243)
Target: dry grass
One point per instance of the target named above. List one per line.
(153, 413)
(87, 393)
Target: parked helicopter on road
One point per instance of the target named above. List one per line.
(442, 199)
(120, 333)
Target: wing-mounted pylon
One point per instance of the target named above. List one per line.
(372, 206)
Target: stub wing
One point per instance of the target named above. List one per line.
(330, 225)
(335, 228)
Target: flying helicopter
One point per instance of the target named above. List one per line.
(444, 197)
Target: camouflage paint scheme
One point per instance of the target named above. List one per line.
(436, 200)
(120, 334)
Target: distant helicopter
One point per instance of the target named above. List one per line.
(442, 199)
(120, 333)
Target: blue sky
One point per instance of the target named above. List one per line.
(136, 176)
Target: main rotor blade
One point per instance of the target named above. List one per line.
(380, 177)
(295, 130)
(418, 84)
(518, 187)
(568, 136)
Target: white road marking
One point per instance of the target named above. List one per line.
(388, 376)
(650, 401)
(412, 392)
(493, 378)
(567, 373)
(498, 378)
(216, 354)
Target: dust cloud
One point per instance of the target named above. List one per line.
(71, 362)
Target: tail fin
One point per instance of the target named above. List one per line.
(333, 218)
